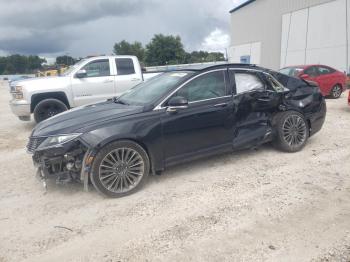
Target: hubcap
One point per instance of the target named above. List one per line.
(294, 130)
(49, 111)
(121, 170)
(336, 91)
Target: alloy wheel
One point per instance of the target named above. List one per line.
(336, 91)
(121, 170)
(294, 130)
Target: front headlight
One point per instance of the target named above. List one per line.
(18, 89)
(53, 141)
(18, 92)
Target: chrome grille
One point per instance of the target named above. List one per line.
(34, 143)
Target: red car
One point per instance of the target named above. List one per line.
(331, 81)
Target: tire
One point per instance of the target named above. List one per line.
(336, 92)
(292, 131)
(48, 108)
(120, 168)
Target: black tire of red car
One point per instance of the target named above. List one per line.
(336, 91)
(48, 108)
(120, 168)
(292, 131)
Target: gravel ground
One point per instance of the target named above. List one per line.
(255, 205)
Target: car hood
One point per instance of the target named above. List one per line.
(41, 82)
(79, 120)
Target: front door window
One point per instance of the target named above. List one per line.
(209, 86)
(97, 68)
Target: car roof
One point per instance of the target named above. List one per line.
(200, 68)
(109, 56)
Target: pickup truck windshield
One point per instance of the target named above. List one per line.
(73, 67)
(154, 89)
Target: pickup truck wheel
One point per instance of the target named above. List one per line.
(48, 108)
(120, 168)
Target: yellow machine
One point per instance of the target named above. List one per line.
(52, 71)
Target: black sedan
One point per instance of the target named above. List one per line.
(176, 117)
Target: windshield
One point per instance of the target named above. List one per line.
(73, 67)
(154, 89)
(291, 71)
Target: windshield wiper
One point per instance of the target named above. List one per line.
(119, 101)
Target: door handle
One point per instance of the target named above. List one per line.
(135, 79)
(107, 81)
(264, 99)
(221, 105)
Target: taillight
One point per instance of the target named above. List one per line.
(349, 98)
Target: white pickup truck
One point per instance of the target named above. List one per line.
(89, 81)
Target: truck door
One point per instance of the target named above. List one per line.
(128, 74)
(97, 84)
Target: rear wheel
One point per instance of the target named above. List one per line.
(292, 131)
(336, 91)
(48, 108)
(120, 168)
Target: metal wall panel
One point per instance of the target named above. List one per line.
(253, 50)
(313, 36)
(262, 21)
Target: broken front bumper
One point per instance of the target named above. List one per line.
(65, 163)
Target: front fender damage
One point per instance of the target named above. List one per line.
(70, 163)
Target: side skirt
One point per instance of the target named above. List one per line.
(216, 150)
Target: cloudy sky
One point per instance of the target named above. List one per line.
(81, 27)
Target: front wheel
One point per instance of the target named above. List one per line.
(292, 131)
(48, 108)
(120, 168)
(336, 91)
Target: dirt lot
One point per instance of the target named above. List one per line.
(259, 205)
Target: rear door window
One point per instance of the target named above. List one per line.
(125, 66)
(325, 70)
(246, 82)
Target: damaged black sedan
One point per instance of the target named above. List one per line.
(172, 118)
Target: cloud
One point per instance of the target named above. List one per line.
(216, 41)
(48, 14)
(45, 26)
(84, 27)
(35, 43)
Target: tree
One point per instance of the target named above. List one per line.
(165, 50)
(17, 64)
(203, 56)
(3, 63)
(65, 60)
(126, 48)
(35, 62)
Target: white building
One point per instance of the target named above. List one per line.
(278, 33)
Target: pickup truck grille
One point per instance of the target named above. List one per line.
(34, 143)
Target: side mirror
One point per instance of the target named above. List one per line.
(303, 76)
(81, 73)
(177, 102)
